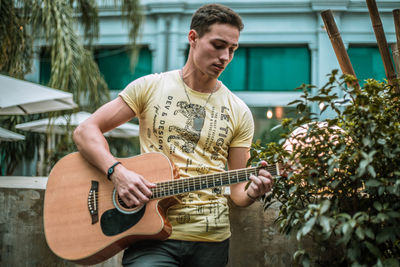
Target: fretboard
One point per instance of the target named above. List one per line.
(186, 185)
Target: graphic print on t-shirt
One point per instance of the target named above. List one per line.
(179, 125)
(190, 134)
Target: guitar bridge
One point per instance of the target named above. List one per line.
(93, 202)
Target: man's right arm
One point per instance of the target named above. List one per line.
(88, 136)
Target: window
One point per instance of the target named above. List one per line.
(114, 64)
(45, 67)
(268, 69)
(367, 62)
(234, 76)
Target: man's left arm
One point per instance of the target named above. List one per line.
(260, 184)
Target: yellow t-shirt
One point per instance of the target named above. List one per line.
(196, 138)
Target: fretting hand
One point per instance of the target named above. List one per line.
(260, 184)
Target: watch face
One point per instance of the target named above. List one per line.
(110, 170)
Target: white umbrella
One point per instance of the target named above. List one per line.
(58, 126)
(20, 97)
(6, 135)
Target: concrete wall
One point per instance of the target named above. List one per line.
(255, 240)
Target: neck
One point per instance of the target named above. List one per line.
(199, 81)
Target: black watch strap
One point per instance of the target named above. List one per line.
(111, 170)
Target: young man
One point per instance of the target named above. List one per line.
(201, 127)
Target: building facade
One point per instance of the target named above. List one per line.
(283, 44)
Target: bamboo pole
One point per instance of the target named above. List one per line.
(337, 43)
(396, 58)
(381, 40)
(396, 47)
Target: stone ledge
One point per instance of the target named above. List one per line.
(29, 182)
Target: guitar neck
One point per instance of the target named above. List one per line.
(191, 184)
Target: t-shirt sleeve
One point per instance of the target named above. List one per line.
(135, 94)
(243, 135)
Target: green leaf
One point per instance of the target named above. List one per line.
(325, 206)
(299, 234)
(373, 249)
(368, 232)
(306, 261)
(292, 189)
(298, 254)
(371, 171)
(361, 216)
(381, 190)
(276, 127)
(377, 206)
(324, 222)
(384, 236)
(346, 230)
(295, 102)
(308, 226)
(366, 141)
(382, 217)
(381, 141)
(360, 233)
(345, 216)
(372, 183)
(362, 167)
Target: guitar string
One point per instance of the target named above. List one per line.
(171, 186)
(179, 185)
(224, 176)
(185, 187)
(196, 183)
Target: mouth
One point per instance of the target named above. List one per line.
(219, 67)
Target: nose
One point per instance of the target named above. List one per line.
(224, 56)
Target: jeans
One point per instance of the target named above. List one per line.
(153, 253)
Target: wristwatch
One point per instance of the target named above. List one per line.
(111, 170)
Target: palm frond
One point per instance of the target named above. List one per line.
(132, 10)
(73, 68)
(88, 14)
(15, 41)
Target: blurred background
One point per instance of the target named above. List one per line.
(283, 45)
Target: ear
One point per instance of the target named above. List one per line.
(192, 36)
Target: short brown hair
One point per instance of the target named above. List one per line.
(210, 14)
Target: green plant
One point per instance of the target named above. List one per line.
(342, 191)
(26, 24)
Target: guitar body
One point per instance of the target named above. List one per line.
(81, 222)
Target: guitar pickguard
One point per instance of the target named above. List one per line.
(113, 222)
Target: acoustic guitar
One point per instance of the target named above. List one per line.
(86, 222)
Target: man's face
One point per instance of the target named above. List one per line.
(214, 50)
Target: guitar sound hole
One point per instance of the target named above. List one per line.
(120, 205)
